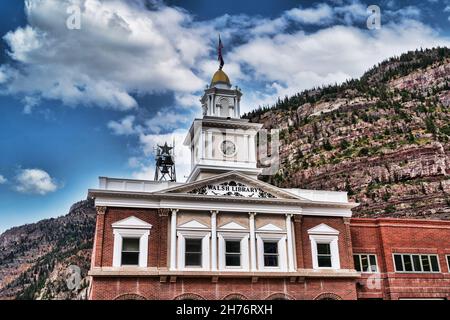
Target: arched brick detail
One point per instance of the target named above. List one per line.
(130, 296)
(328, 296)
(189, 296)
(280, 296)
(235, 296)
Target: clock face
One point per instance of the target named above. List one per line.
(228, 148)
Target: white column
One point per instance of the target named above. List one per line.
(252, 241)
(290, 246)
(214, 240)
(173, 240)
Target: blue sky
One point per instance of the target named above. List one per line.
(78, 104)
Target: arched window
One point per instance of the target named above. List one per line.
(130, 296)
(279, 296)
(327, 296)
(235, 296)
(189, 296)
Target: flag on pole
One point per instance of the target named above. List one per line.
(219, 52)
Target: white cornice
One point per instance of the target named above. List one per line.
(157, 200)
(222, 206)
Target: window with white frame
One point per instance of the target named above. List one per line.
(448, 263)
(233, 250)
(271, 251)
(130, 251)
(324, 255)
(193, 249)
(130, 242)
(232, 253)
(270, 254)
(324, 247)
(365, 262)
(193, 253)
(417, 263)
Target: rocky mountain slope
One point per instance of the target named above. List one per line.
(35, 258)
(384, 138)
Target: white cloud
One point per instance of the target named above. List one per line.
(121, 49)
(321, 14)
(163, 121)
(23, 42)
(35, 181)
(352, 12)
(167, 120)
(124, 126)
(269, 26)
(29, 103)
(3, 180)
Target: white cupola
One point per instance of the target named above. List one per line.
(219, 99)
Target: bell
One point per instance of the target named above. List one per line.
(164, 170)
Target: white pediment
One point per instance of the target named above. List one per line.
(193, 224)
(323, 229)
(233, 184)
(232, 226)
(132, 223)
(270, 227)
(232, 188)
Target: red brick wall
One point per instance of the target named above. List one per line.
(384, 237)
(303, 244)
(152, 288)
(379, 236)
(157, 246)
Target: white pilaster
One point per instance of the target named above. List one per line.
(252, 149)
(246, 143)
(238, 107)
(252, 241)
(290, 246)
(214, 240)
(202, 145)
(207, 105)
(210, 144)
(173, 240)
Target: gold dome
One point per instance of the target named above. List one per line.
(220, 77)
